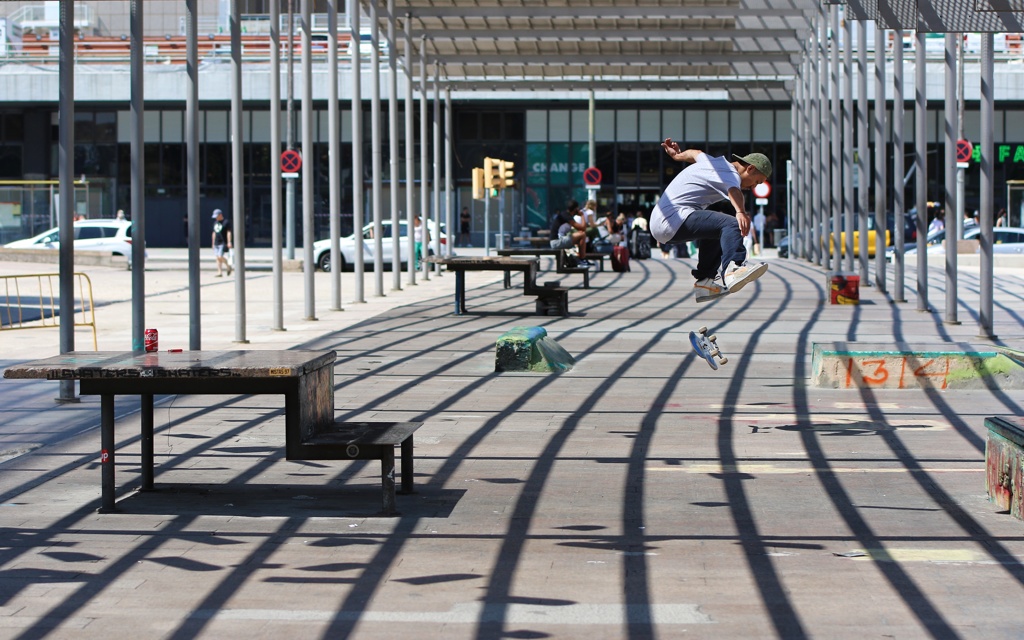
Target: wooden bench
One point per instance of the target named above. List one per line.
(561, 265)
(550, 300)
(305, 378)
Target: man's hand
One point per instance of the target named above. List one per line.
(671, 148)
(743, 220)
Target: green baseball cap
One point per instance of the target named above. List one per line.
(759, 161)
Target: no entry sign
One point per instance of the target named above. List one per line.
(291, 161)
(762, 190)
(592, 176)
(964, 150)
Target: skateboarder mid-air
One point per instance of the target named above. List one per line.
(682, 215)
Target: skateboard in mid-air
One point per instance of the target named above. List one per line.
(707, 347)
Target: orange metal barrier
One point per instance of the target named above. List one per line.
(32, 301)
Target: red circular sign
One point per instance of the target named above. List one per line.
(964, 150)
(762, 190)
(592, 176)
(291, 161)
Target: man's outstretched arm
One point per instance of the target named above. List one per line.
(672, 149)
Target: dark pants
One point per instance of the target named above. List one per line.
(718, 240)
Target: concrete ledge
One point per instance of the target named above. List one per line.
(530, 349)
(844, 365)
(51, 256)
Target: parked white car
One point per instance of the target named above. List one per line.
(347, 244)
(103, 234)
(1004, 240)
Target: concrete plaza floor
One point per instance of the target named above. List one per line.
(640, 495)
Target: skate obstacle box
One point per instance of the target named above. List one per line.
(530, 349)
(1004, 464)
(843, 288)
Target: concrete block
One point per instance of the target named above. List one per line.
(530, 349)
(843, 365)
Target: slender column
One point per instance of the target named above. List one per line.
(863, 155)
(848, 144)
(448, 210)
(824, 166)
(375, 153)
(437, 162)
(836, 142)
(985, 318)
(66, 178)
(192, 174)
(138, 177)
(899, 188)
(410, 145)
(237, 168)
(814, 142)
(358, 185)
(308, 173)
(802, 236)
(424, 183)
(334, 153)
(921, 167)
(394, 180)
(275, 166)
(880, 164)
(949, 169)
(289, 196)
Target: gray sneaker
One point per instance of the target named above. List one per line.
(744, 274)
(709, 289)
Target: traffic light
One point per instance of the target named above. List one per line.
(492, 173)
(508, 174)
(479, 188)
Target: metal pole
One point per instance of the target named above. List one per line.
(334, 153)
(275, 165)
(375, 154)
(836, 141)
(66, 178)
(863, 155)
(289, 198)
(358, 186)
(960, 204)
(820, 230)
(949, 168)
(424, 162)
(985, 317)
(899, 188)
(394, 180)
(138, 177)
(921, 168)
(448, 209)
(848, 142)
(437, 161)
(237, 167)
(813, 165)
(880, 153)
(800, 238)
(410, 146)
(192, 175)
(591, 116)
(308, 268)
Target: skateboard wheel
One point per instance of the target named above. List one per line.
(702, 330)
(712, 338)
(724, 360)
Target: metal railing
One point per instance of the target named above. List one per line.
(32, 301)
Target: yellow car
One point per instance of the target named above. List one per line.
(872, 238)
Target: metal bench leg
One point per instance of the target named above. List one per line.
(147, 441)
(586, 279)
(460, 292)
(508, 279)
(387, 477)
(107, 453)
(407, 468)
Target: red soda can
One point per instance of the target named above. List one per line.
(151, 339)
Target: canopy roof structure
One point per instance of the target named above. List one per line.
(750, 48)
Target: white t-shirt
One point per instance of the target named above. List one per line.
(698, 186)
